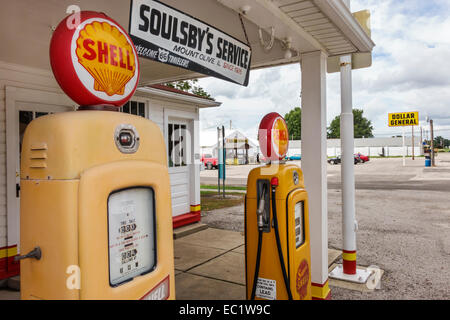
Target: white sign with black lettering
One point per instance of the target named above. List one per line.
(266, 289)
(166, 35)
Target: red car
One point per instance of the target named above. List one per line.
(209, 161)
(362, 158)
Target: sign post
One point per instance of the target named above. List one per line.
(221, 155)
(404, 119)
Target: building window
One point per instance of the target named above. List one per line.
(177, 145)
(134, 107)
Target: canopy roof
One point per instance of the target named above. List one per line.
(26, 27)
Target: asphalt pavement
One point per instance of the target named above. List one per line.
(403, 215)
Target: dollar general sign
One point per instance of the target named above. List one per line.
(403, 119)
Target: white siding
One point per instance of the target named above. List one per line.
(179, 184)
(156, 113)
(185, 185)
(184, 190)
(20, 77)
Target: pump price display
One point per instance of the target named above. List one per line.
(299, 234)
(131, 222)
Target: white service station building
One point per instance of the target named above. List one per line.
(309, 33)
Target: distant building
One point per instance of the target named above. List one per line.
(387, 147)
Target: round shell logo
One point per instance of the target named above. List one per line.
(302, 279)
(108, 57)
(280, 137)
(273, 137)
(95, 62)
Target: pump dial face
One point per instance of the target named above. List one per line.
(132, 237)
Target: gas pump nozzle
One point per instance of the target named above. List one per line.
(261, 209)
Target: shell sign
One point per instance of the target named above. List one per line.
(95, 63)
(273, 137)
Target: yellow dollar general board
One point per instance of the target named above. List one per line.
(403, 119)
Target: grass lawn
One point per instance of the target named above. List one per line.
(214, 187)
(210, 200)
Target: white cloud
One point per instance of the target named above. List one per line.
(410, 72)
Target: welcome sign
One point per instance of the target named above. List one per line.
(166, 35)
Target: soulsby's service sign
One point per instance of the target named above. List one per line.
(164, 34)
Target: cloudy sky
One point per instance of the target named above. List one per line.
(410, 72)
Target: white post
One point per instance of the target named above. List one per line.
(194, 167)
(404, 149)
(314, 165)
(347, 168)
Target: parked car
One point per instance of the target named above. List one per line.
(362, 158)
(338, 160)
(210, 162)
(296, 157)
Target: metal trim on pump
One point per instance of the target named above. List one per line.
(126, 138)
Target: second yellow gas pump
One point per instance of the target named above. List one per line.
(276, 222)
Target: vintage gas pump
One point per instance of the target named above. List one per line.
(276, 222)
(96, 218)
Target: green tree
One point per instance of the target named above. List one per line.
(440, 142)
(191, 87)
(362, 126)
(294, 123)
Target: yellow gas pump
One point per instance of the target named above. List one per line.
(95, 201)
(276, 222)
(96, 217)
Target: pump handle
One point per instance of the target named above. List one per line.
(35, 253)
(261, 208)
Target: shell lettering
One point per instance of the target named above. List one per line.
(107, 55)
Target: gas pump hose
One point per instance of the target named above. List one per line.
(280, 252)
(260, 238)
(258, 260)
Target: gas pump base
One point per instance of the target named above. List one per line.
(361, 275)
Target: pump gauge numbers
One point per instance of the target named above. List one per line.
(131, 228)
(299, 224)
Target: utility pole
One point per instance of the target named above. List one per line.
(421, 141)
(404, 147)
(432, 143)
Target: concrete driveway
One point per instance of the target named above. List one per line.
(403, 216)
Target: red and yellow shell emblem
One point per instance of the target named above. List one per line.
(280, 136)
(104, 51)
(302, 279)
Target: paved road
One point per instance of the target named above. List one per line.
(379, 174)
(405, 232)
